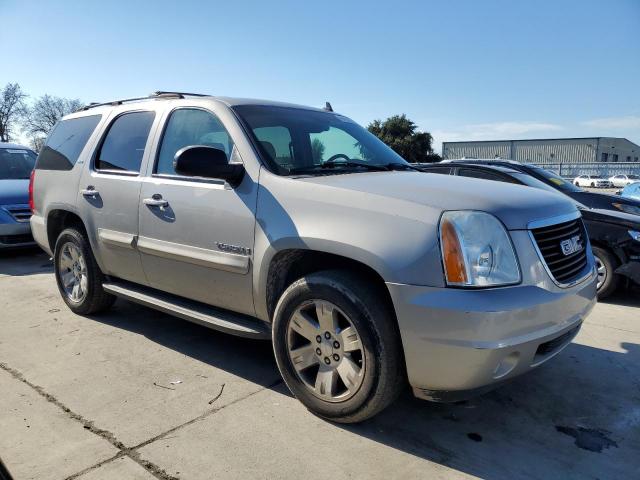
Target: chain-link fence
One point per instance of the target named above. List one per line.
(572, 170)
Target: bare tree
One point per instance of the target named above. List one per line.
(12, 109)
(44, 113)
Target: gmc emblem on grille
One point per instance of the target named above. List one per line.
(571, 245)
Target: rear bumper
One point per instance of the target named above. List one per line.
(461, 342)
(14, 235)
(39, 232)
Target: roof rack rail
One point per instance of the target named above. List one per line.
(158, 94)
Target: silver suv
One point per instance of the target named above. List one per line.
(271, 220)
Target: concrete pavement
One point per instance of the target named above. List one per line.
(136, 394)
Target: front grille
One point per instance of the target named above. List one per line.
(21, 213)
(563, 267)
(553, 345)
(15, 239)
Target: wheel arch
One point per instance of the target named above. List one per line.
(287, 265)
(58, 220)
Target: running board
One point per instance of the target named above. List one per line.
(196, 312)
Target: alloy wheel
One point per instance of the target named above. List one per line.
(72, 270)
(601, 270)
(325, 350)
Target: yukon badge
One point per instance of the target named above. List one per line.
(225, 247)
(571, 245)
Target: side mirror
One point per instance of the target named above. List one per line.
(207, 162)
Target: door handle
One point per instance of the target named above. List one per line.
(156, 200)
(90, 191)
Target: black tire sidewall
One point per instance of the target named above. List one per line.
(610, 282)
(76, 237)
(319, 288)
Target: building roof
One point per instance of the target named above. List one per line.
(541, 140)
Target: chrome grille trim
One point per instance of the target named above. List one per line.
(546, 235)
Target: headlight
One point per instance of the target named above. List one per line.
(477, 250)
(627, 208)
(635, 235)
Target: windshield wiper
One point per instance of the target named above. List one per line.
(331, 165)
(402, 166)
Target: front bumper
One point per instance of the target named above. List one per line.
(14, 235)
(631, 269)
(460, 342)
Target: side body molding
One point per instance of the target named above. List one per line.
(220, 260)
(226, 261)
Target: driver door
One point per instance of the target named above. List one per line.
(196, 234)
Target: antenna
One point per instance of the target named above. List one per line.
(327, 107)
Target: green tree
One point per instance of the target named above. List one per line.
(402, 135)
(317, 150)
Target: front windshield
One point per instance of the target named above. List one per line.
(16, 163)
(296, 140)
(556, 180)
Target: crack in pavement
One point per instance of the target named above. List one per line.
(124, 451)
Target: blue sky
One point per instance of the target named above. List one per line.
(461, 69)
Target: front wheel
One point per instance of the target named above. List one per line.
(605, 266)
(337, 346)
(77, 274)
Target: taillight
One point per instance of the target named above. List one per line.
(32, 205)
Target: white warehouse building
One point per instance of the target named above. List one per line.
(547, 151)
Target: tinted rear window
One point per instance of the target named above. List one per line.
(123, 147)
(65, 143)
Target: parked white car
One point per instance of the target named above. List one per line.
(623, 180)
(596, 181)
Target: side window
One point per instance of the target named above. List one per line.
(123, 146)
(186, 127)
(65, 143)
(483, 174)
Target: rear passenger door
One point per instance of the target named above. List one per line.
(196, 234)
(110, 191)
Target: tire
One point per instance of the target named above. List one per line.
(577, 184)
(350, 302)
(74, 263)
(606, 264)
(593, 185)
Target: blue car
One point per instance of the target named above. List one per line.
(631, 191)
(16, 165)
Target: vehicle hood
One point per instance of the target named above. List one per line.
(614, 217)
(14, 192)
(602, 200)
(514, 205)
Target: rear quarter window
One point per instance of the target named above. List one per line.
(65, 143)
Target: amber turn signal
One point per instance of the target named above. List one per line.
(452, 254)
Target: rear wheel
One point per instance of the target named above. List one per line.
(605, 267)
(593, 184)
(77, 274)
(337, 347)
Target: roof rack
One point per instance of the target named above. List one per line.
(155, 95)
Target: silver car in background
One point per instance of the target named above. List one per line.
(271, 220)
